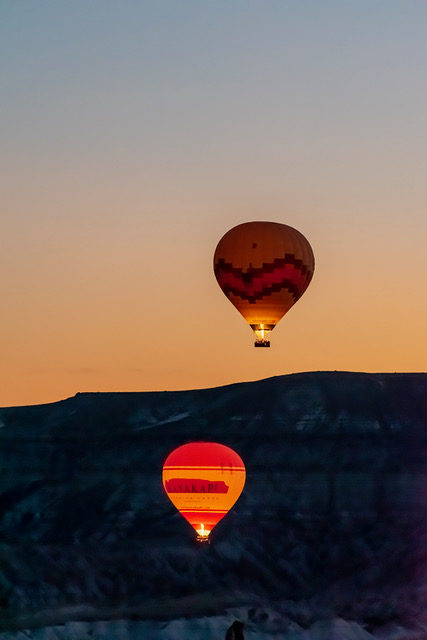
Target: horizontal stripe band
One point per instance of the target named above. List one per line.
(205, 511)
(199, 468)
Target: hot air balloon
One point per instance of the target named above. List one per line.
(203, 480)
(263, 268)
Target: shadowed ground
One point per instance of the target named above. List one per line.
(332, 521)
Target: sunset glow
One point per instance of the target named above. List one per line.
(134, 138)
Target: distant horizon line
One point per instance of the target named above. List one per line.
(222, 386)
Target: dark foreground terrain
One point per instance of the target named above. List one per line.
(332, 523)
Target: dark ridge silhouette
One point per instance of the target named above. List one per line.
(332, 518)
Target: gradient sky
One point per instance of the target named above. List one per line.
(135, 134)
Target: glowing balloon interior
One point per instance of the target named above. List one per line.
(263, 268)
(203, 480)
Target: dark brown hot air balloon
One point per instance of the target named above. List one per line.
(263, 268)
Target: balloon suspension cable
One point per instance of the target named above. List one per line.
(202, 534)
(262, 331)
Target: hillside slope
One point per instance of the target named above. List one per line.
(332, 521)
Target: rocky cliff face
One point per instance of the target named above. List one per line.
(332, 520)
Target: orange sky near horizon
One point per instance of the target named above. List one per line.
(124, 164)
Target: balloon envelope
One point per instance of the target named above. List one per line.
(263, 268)
(203, 480)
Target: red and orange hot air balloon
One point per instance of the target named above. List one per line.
(203, 480)
(263, 268)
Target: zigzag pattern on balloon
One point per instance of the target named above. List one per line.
(259, 282)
